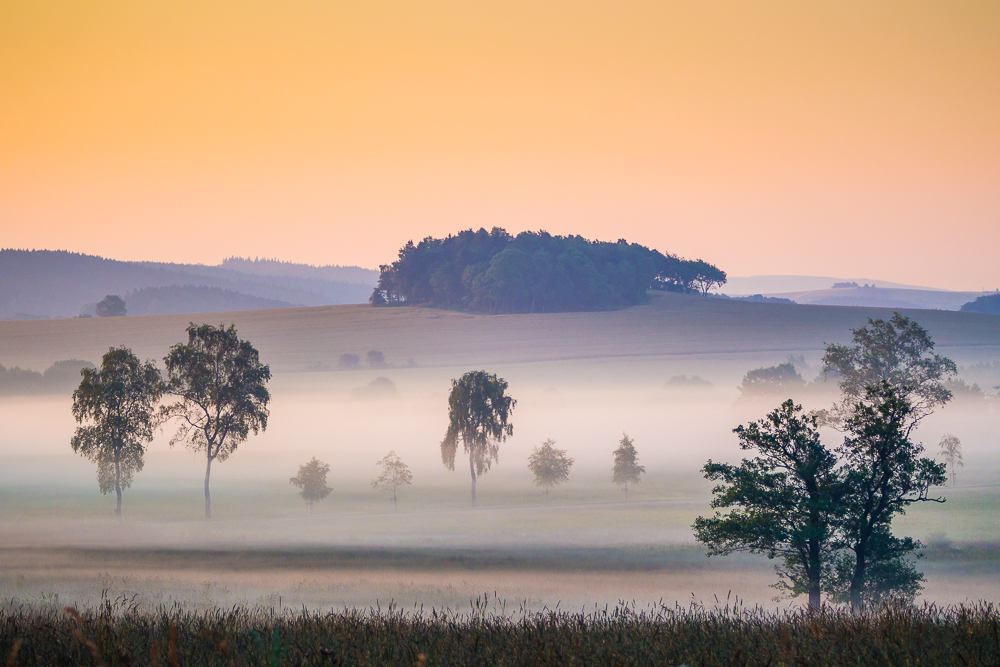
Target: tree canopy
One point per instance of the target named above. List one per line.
(118, 400)
(479, 410)
(897, 351)
(111, 306)
(780, 379)
(312, 480)
(549, 465)
(222, 387)
(495, 272)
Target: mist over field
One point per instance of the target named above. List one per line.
(582, 379)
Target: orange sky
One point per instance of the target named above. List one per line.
(854, 139)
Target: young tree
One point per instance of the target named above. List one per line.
(951, 450)
(884, 474)
(627, 469)
(312, 480)
(549, 465)
(394, 475)
(783, 502)
(223, 394)
(119, 400)
(479, 416)
(899, 352)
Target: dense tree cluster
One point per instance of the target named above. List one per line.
(495, 272)
(988, 303)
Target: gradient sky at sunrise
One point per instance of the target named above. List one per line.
(853, 139)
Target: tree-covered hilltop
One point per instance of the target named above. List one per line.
(495, 272)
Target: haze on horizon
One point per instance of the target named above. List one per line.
(844, 139)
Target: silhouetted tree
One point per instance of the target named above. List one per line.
(780, 379)
(479, 416)
(222, 387)
(394, 475)
(118, 400)
(627, 469)
(349, 361)
(111, 306)
(494, 272)
(782, 503)
(375, 359)
(899, 352)
(951, 451)
(312, 480)
(884, 474)
(549, 465)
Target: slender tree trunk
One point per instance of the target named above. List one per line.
(208, 494)
(546, 495)
(815, 568)
(394, 499)
(858, 580)
(472, 471)
(118, 488)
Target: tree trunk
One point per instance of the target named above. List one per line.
(858, 580)
(472, 471)
(118, 488)
(546, 495)
(815, 568)
(208, 494)
(393, 499)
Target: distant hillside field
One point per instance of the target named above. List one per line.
(677, 325)
(45, 283)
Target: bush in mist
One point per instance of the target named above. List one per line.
(549, 465)
(685, 382)
(312, 480)
(111, 306)
(394, 474)
(118, 634)
(781, 379)
(627, 471)
(222, 387)
(349, 361)
(380, 387)
(479, 410)
(118, 403)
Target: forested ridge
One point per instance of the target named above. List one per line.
(495, 272)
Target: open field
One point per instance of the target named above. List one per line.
(581, 378)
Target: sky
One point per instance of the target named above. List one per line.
(842, 138)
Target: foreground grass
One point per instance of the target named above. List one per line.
(117, 634)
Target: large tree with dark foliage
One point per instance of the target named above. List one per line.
(884, 474)
(118, 400)
(495, 272)
(222, 386)
(783, 503)
(479, 411)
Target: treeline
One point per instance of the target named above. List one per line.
(988, 303)
(533, 272)
(60, 377)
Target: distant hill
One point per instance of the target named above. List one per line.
(175, 300)
(38, 284)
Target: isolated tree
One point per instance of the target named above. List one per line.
(395, 474)
(111, 306)
(782, 503)
(312, 480)
(549, 465)
(222, 386)
(884, 473)
(118, 400)
(479, 417)
(375, 359)
(899, 352)
(349, 361)
(951, 451)
(627, 470)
